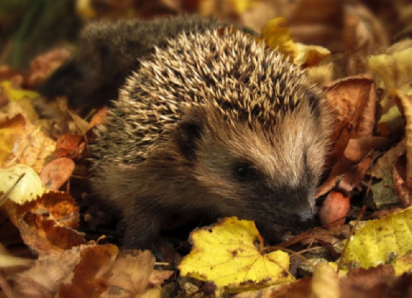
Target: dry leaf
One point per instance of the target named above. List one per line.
(277, 36)
(89, 275)
(46, 237)
(30, 145)
(354, 98)
(20, 184)
(228, 254)
(57, 172)
(44, 279)
(71, 146)
(378, 240)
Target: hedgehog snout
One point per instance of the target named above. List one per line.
(303, 221)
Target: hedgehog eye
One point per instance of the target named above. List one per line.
(243, 171)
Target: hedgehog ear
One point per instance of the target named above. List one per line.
(188, 134)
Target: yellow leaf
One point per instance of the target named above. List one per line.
(16, 94)
(24, 183)
(310, 55)
(381, 239)
(395, 70)
(277, 37)
(229, 254)
(240, 6)
(403, 264)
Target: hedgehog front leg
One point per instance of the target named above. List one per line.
(142, 228)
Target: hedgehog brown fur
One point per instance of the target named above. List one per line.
(214, 123)
(109, 51)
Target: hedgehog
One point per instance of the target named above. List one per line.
(218, 124)
(108, 52)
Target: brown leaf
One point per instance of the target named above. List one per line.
(57, 172)
(298, 289)
(57, 206)
(133, 273)
(44, 279)
(98, 118)
(355, 175)
(90, 278)
(45, 237)
(366, 283)
(364, 35)
(403, 192)
(354, 98)
(71, 146)
(383, 166)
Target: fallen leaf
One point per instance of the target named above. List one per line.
(30, 145)
(14, 94)
(383, 166)
(308, 56)
(133, 274)
(70, 145)
(46, 237)
(44, 279)
(402, 190)
(229, 254)
(354, 98)
(89, 275)
(396, 72)
(374, 243)
(9, 130)
(20, 184)
(277, 36)
(406, 102)
(57, 172)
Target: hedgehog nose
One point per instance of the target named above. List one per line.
(302, 222)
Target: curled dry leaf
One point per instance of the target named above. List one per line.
(57, 172)
(334, 209)
(406, 102)
(45, 237)
(98, 118)
(355, 151)
(396, 72)
(354, 98)
(70, 145)
(277, 36)
(133, 274)
(45, 278)
(364, 35)
(403, 192)
(383, 166)
(90, 274)
(308, 56)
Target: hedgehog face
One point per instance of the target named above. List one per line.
(267, 173)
